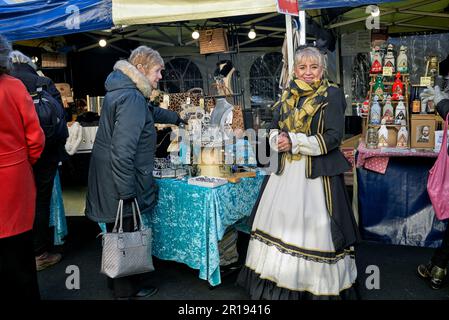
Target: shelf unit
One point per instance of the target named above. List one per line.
(392, 128)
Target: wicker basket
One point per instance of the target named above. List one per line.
(54, 60)
(213, 41)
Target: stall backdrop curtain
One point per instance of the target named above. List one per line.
(30, 19)
(157, 11)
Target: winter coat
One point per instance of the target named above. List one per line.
(21, 143)
(29, 77)
(443, 108)
(122, 160)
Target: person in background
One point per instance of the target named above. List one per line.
(45, 168)
(25, 70)
(21, 143)
(122, 161)
(302, 237)
(435, 271)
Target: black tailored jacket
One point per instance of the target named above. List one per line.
(328, 126)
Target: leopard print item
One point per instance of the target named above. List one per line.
(178, 99)
(237, 118)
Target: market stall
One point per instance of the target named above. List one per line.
(385, 71)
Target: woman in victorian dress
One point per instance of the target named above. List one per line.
(304, 228)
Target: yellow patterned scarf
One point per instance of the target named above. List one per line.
(298, 119)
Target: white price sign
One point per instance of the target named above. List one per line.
(425, 81)
(387, 71)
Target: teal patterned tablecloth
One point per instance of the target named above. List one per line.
(189, 221)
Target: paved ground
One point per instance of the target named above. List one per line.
(397, 268)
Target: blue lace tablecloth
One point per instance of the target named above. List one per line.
(189, 221)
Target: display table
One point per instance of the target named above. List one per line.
(393, 203)
(189, 221)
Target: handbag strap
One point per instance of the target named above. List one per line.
(119, 216)
(135, 205)
(444, 145)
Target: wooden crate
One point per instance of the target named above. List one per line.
(213, 40)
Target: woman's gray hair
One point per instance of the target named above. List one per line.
(145, 56)
(5, 48)
(311, 53)
(18, 57)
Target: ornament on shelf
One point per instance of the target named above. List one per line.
(402, 61)
(382, 137)
(402, 140)
(432, 66)
(398, 88)
(379, 87)
(365, 108)
(371, 138)
(376, 60)
(389, 57)
(400, 115)
(375, 112)
(388, 112)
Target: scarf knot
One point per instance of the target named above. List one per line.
(298, 119)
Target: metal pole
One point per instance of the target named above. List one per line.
(302, 26)
(288, 29)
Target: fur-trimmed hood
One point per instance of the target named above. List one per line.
(137, 78)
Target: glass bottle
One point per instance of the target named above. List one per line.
(382, 137)
(402, 140)
(398, 87)
(379, 87)
(388, 113)
(400, 114)
(402, 62)
(371, 138)
(375, 112)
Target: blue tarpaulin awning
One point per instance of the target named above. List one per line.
(20, 20)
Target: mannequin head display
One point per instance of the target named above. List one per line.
(222, 113)
(223, 77)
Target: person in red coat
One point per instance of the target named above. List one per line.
(21, 143)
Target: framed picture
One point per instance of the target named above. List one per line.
(422, 131)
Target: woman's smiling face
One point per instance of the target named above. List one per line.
(308, 70)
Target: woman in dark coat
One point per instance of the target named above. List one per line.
(122, 159)
(436, 270)
(46, 167)
(304, 229)
(21, 143)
